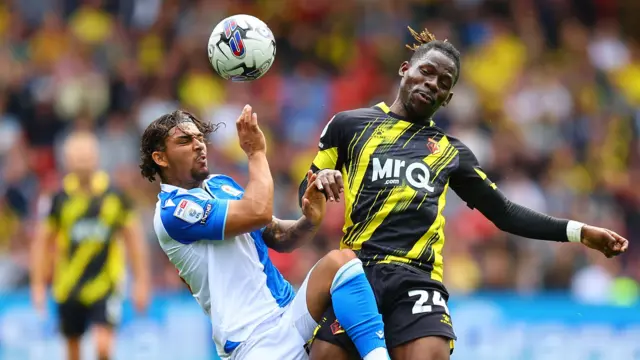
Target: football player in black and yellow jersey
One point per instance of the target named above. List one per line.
(81, 235)
(393, 167)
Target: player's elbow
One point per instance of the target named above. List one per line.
(261, 213)
(265, 216)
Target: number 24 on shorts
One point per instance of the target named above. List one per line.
(421, 305)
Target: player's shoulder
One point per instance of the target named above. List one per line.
(453, 140)
(176, 204)
(117, 192)
(464, 152)
(224, 187)
(359, 114)
(59, 194)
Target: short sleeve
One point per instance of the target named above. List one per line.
(127, 212)
(330, 143)
(469, 180)
(53, 217)
(187, 218)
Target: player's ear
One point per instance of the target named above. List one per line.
(160, 158)
(446, 102)
(403, 68)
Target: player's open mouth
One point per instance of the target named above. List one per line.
(424, 97)
(202, 160)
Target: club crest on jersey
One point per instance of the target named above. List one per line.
(232, 33)
(433, 146)
(188, 211)
(230, 190)
(336, 328)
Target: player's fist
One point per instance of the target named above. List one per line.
(140, 297)
(330, 183)
(251, 138)
(39, 298)
(313, 201)
(606, 241)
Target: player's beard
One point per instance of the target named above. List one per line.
(418, 113)
(199, 175)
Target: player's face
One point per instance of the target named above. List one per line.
(427, 83)
(185, 157)
(81, 154)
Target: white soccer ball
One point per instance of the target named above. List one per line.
(241, 48)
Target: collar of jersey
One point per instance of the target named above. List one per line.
(99, 183)
(385, 108)
(166, 188)
(170, 188)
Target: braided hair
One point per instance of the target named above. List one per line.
(427, 41)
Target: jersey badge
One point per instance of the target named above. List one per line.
(230, 190)
(336, 328)
(433, 146)
(188, 211)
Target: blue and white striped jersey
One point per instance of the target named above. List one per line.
(232, 279)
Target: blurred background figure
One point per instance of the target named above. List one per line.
(548, 99)
(81, 235)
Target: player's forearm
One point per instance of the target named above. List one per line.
(134, 241)
(39, 258)
(288, 235)
(522, 221)
(259, 190)
(303, 185)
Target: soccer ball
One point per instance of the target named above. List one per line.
(241, 48)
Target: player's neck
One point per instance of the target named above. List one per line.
(85, 183)
(187, 184)
(398, 108)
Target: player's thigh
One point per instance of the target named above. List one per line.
(297, 314)
(322, 350)
(330, 340)
(425, 348)
(321, 278)
(73, 319)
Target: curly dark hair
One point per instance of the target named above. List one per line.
(156, 133)
(427, 41)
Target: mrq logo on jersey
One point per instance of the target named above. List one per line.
(394, 171)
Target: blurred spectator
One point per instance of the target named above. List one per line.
(548, 101)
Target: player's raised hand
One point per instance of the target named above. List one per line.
(330, 182)
(39, 299)
(251, 137)
(140, 297)
(606, 241)
(313, 201)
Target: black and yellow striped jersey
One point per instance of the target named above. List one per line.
(90, 261)
(396, 175)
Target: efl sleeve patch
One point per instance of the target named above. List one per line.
(188, 211)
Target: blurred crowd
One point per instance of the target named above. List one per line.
(549, 101)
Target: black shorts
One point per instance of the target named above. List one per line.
(412, 306)
(75, 317)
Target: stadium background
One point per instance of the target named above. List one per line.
(549, 100)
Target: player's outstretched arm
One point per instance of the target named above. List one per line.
(473, 186)
(188, 216)
(287, 235)
(255, 209)
(40, 253)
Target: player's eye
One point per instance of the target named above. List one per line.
(445, 84)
